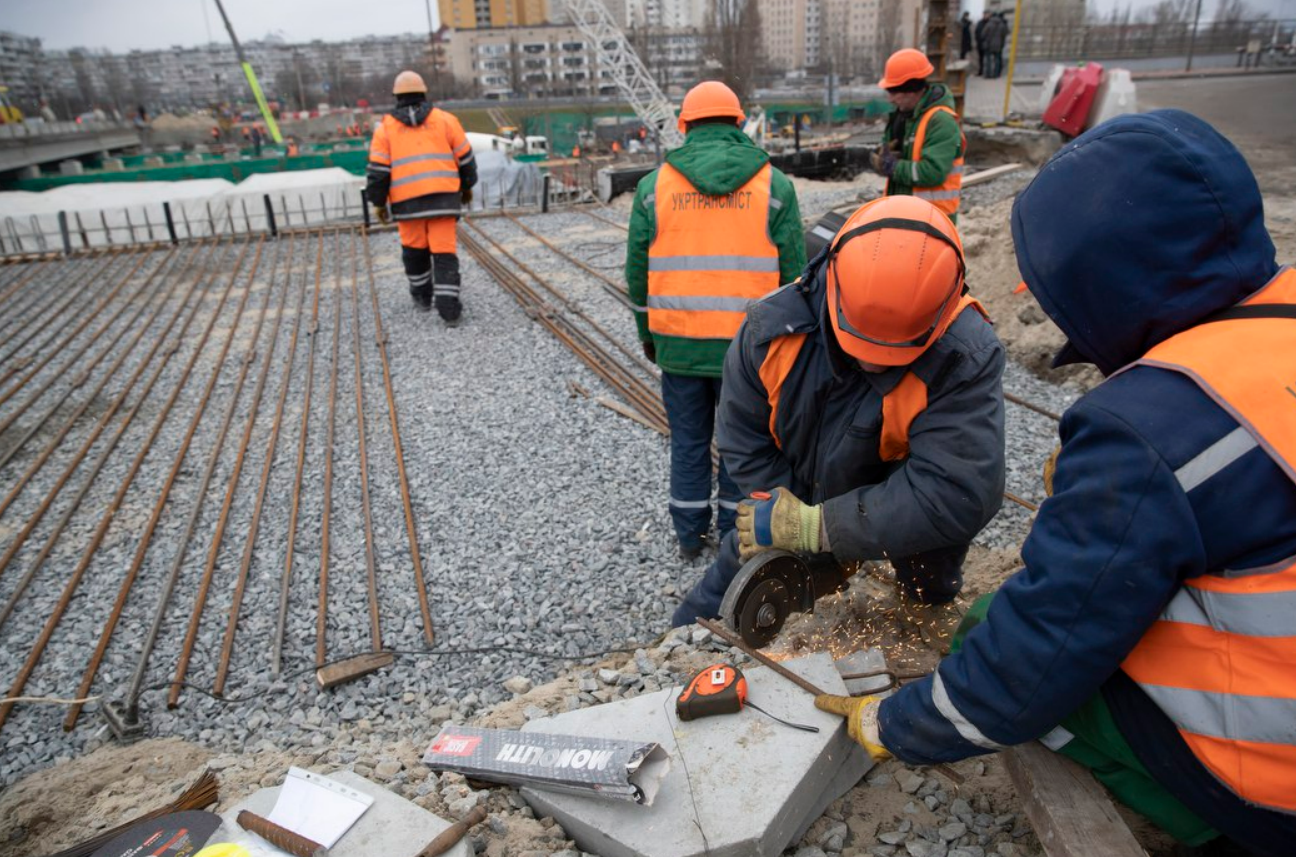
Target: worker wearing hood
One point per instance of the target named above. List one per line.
(1150, 635)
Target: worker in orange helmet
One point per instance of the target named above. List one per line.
(421, 173)
(922, 145)
(862, 412)
(714, 229)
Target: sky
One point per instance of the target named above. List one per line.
(121, 25)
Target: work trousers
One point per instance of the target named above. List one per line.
(428, 249)
(690, 409)
(931, 577)
(1090, 736)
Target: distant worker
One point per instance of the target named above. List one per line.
(996, 38)
(215, 134)
(292, 149)
(965, 42)
(421, 164)
(257, 139)
(1151, 635)
(714, 229)
(922, 146)
(576, 151)
(979, 35)
(863, 412)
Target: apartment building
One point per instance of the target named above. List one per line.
(483, 14)
(529, 61)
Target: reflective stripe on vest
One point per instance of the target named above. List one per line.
(711, 256)
(945, 195)
(900, 407)
(1218, 659)
(422, 161)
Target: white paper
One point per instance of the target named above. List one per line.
(318, 808)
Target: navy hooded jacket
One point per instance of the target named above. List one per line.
(1133, 232)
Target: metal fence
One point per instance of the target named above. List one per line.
(1272, 40)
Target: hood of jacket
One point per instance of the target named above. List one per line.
(414, 114)
(1138, 230)
(717, 159)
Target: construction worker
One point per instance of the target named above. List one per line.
(867, 401)
(1150, 635)
(716, 227)
(420, 161)
(922, 145)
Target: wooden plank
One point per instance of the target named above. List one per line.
(341, 672)
(1072, 814)
(990, 174)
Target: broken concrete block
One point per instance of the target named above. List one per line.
(71, 167)
(392, 826)
(751, 785)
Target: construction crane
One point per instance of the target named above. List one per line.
(637, 86)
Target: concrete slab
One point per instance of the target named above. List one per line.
(739, 786)
(391, 827)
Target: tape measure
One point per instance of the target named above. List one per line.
(718, 689)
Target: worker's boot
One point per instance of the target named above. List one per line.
(422, 297)
(418, 270)
(445, 285)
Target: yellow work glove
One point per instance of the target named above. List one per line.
(380, 212)
(861, 715)
(1050, 466)
(777, 520)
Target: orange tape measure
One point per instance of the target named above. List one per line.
(718, 689)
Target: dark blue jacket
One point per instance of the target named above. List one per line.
(1133, 232)
(829, 423)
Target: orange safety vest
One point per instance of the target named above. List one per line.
(423, 160)
(945, 195)
(1218, 661)
(900, 407)
(711, 256)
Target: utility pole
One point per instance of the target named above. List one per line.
(301, 90)
(1192, 37)
(251, 77)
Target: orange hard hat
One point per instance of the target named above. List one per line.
(708, 99)
(407, 82)
(895, 274)
(905, 65)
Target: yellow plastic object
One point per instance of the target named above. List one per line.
(224, 849)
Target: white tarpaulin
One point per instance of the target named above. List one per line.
(102, 213)
(504, 182)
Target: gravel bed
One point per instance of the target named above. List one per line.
(529, 562)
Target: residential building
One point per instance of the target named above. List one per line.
(529, 62)
(483, 14)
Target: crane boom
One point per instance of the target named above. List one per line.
(637, 87)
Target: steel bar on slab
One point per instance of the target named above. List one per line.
(20, 279)
(110, 512)
(1031, 406)
(636, 391)
(610, 286)
(47, 314)
(17, 315)
(312, 333)
(86, 318)
(321, 617)
(142, 546)
(589, 352)
(82, 371)
(615, 290)
(375, 623)
(222, 520)
(380, 338)
(609, 221)
(254, 526)
(1025, 504)
(734, 640)
(34, 518)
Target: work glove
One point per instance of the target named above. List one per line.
(1050, 465)
(861, 715)
(777, 520)
(380, 212)
(467, 196)
(650, 351)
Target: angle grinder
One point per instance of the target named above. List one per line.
(773, 585)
